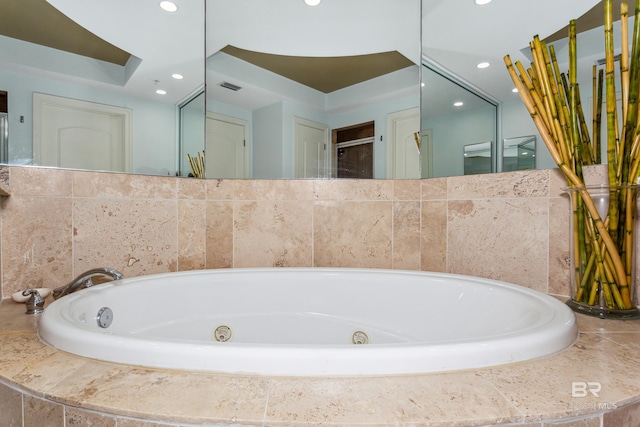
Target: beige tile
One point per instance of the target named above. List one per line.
(504, 239)
(353, 234)
(540, 387)
(406, 235)
(219, 189)
(191, 188)
(18, 350)
(84, 381)
(516, 425)
(37, 181)
(273, 233)
(42, 413)
(5, 179)
(509, 184)
(249, 189)
(595, 175)
(617, 328)
(625, 416)
(118, 185)
(36, 232)
(12, 317)
(433, 400)
(353, 189)
(433, 236)
(10, 407)
(192, 234)
(434, 189)
(219, 234)
(136, 237)
(47, 370)
(406, 189)
(590, 421)
(171, 396)
(559, 247)
(127, 422)
(78, 417)
(558, 182)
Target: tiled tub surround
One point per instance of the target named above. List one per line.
(511, 226)
(45, 387)
(59, 223)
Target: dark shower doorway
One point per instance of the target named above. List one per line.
(353, 150)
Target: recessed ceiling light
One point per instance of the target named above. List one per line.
(483, 65)
(161, 92)
(169, 6)
(177, 76)
(482, 2)
(458, 104)
(514, 90)
(312, 2)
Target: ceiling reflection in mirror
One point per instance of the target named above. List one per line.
(115, 54)
(458, 35)
(455, 118)
(282, 91)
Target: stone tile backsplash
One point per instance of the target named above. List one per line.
(59, 223)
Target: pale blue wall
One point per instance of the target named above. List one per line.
(154, 124)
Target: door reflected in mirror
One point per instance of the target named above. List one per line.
(294, 88)
(96, 53)
(478, 158)
(519, 153)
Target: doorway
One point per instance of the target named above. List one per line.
(310, 149)
(226, 148)
(4, 127)
(403, 144)
(353, 151)
(77, 134)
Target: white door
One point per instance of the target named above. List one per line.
(81, 135)
(311, 155)
(226, 151)
(403, 144)
(426, 153)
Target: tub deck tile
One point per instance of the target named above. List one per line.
(422, 400)
(543, 388)
(533, 393)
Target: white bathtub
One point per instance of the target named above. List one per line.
(303, 322)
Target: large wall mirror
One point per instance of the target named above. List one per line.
(327, 91)
(460, 35)
(99, 84)
(313, 91)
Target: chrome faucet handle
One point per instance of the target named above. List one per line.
(35, 304)
(84, 281)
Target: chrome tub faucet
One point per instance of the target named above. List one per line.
(84, 281)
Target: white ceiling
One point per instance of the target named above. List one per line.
(457, 34)
(166, 43)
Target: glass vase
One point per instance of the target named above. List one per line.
(603, 259)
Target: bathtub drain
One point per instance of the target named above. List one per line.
(222, 333)
(360, 337)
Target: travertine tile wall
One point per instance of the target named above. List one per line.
(59, 223)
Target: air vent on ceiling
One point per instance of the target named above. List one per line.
(230, 86)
